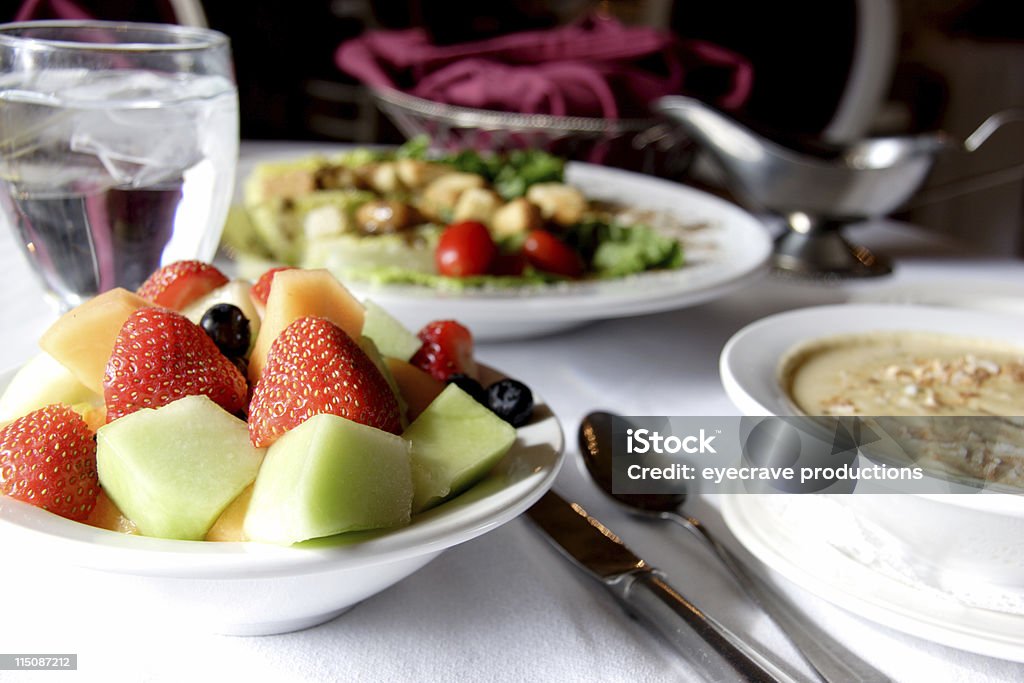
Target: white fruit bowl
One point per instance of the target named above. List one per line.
(256, 589)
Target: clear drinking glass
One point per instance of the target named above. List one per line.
(118, 145)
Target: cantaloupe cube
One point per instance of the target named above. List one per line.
(82, 339)
(418, 388)
(106, 515)
(228, 526)
(300, 293)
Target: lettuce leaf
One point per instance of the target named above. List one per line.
(613, 249)
(511, 173)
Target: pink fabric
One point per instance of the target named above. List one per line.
(596, 67)
(50, 9)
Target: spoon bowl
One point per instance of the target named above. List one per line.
(595, 438)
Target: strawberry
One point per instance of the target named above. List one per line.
(261, 290)
(48, 459)
(178, 284)
(160, 356)
(314, 367)
(447, 350)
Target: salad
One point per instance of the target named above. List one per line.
(450, 221)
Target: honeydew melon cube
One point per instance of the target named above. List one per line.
(373, 353)
(175, 469)
(455, 442)
(390, 336)
(39, 383)
(327, 476)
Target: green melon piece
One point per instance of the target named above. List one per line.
(327, 476)
(173, 470)
(390, 336)
(373, 353)
(40, 382)
(455, 442)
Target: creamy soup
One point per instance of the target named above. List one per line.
(905, 373)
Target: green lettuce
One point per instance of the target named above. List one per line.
(613, 249)
(511, 173)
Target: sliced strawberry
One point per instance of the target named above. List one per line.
(160, 356)
(178, 284)
(261, 290)
(447, 350)
(48, 459)
(314, 367)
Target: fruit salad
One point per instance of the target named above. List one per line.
(203, 408)
(452, 221)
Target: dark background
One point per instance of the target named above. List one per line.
(957, 61)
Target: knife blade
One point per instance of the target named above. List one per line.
(720, 654)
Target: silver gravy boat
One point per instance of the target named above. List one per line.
(821, 191)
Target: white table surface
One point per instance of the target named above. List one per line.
(506, 607)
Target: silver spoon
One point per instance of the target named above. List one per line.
(831, 660)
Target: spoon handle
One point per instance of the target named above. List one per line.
(833, 661)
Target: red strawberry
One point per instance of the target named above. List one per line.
(48, 459)
(178, 284)
(160, 356)
(314, 367)
(261, 290)
(447, 350)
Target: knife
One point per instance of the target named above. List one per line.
(643, 590)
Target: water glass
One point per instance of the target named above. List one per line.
(118, 145)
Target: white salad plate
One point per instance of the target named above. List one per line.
(946, 567)
(253, 588)
(727, 250)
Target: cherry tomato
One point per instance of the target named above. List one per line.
(546, 252)
(465, 249)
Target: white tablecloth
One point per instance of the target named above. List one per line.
(506, 607)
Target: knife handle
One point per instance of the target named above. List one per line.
(707, 643)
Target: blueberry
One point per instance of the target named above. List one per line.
(511, 400)
(470, 386)
(228, 327)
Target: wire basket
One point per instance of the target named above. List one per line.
(646, 145)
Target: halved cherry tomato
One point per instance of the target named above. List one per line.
(465, 249)
(546, 252)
